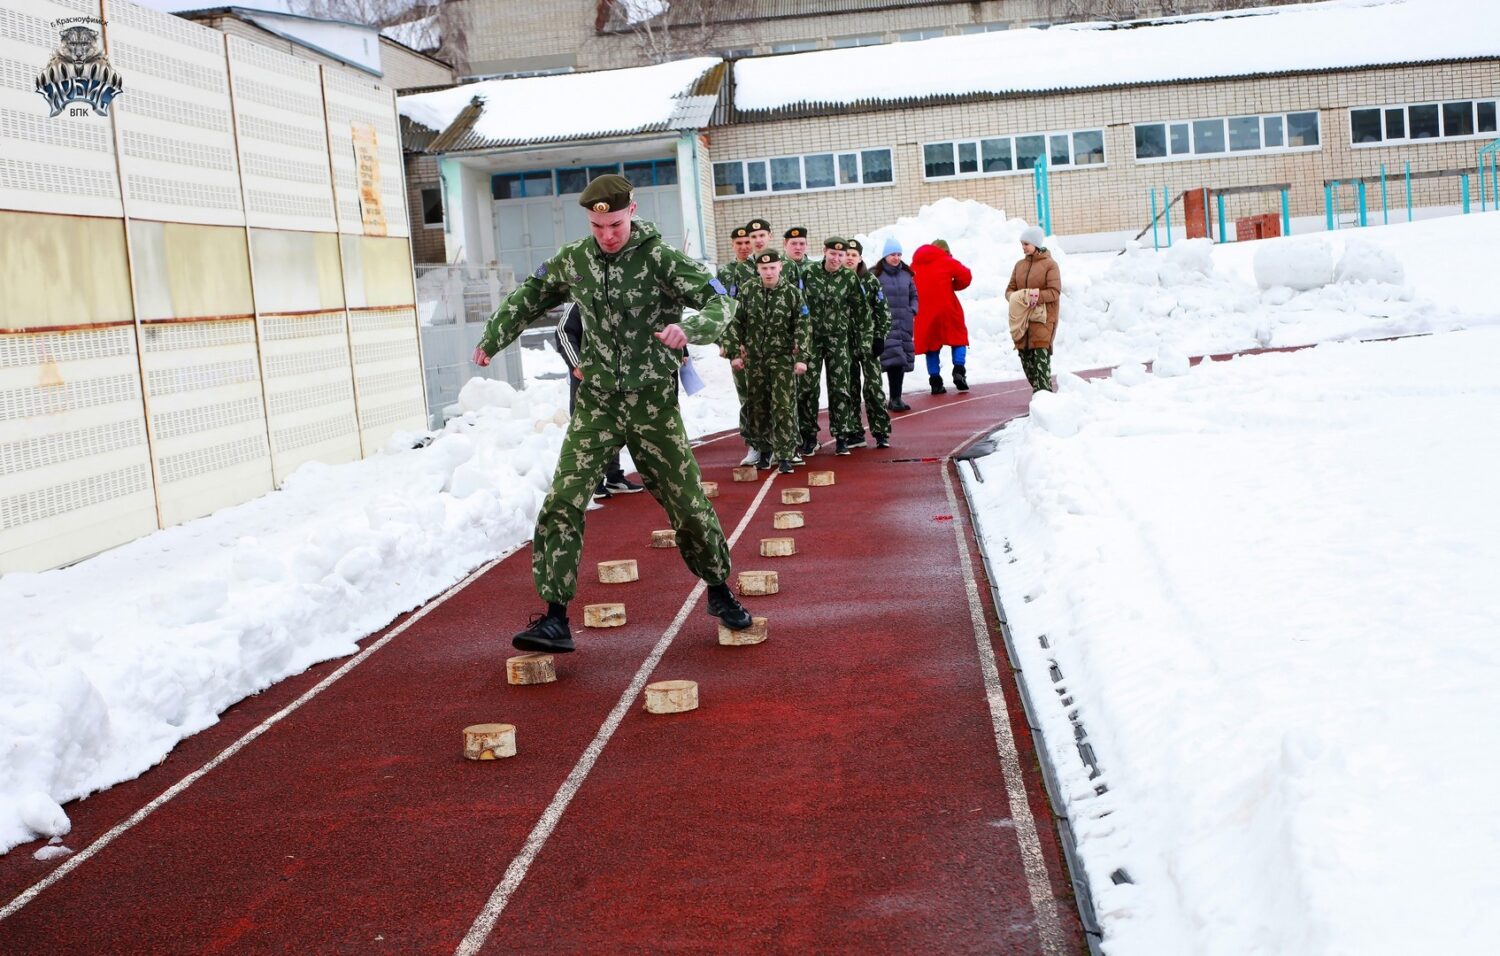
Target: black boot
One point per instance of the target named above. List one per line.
(546, 635)
(841, 447)
(722, 605)
(786, 466)
(960, 378)
(936, 381)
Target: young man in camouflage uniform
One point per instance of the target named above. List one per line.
(867, 381)
(837, 303)
(734, 275)
(760, 235)
(794, 261)
(631, 288)
(767, 338)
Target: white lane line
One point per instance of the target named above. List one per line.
(484, 923)
(1038, 885)
(78, 859)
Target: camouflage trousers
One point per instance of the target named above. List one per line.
(1038, 366)
(739, 390)
(649, 424)
(770, 406)
(867, 382)
(841, 413)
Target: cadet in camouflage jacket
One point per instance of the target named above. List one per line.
(628, 395)
(770, 335)
(836, 301)
(734, 276)
(866, 342)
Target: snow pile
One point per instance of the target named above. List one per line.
(1269, 585)
(162, 634)
(570, 105)
(1091, 55)
(1198, 298)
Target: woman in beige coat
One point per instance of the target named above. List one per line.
(1033, 292)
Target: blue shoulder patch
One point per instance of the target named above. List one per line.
(879, 295)
(718, 287)
(541, 271)
(734, 289)
(804, 310)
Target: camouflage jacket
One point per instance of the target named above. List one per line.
(837, 302)
(877, 311)
(771, 325)
(737, 274)
(794, 273)
(624, 299)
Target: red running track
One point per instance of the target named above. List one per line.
(840, 788)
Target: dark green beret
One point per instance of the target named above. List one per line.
(855, 245)
(796, 232)
(608, 193)
(759, 225)
(834, 243)
(740, 232)
(768, 255)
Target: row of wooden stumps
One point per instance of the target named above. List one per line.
(497, 741)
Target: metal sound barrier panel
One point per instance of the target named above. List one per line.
(178, 164)
(304, 349)
(201, 364)
(351, 101)
(63, 163)
(383, 331)
(283, 139)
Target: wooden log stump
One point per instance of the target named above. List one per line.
(786, 520)
(603, 615)
(489, 741)
(664, 539)
(745, 473)
(759, 582)
(756, 633)
(795, 496)
(710, 489)
(671, 696)
(619, 572)
(778, 547)
(530, 669)
(819, 479)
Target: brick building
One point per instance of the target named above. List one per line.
(847, 140)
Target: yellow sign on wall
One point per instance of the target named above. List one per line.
(367, 172)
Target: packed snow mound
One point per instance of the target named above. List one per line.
(1300, 264)
(1366, 262)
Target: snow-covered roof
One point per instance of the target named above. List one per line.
(423, 34)
(568, 106)
(1341, 34)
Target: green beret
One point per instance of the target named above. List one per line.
(608, 193)
(759, 225)
(941, 244)
(834, 243)
(768, 255)
(855, 245)
(796, 232)
(740, 232)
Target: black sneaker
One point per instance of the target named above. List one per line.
(858, 441)
(722, 605)
(546, 635)
(620, 485)
(883, 441)
(785, 467)
(797, 459)
(809, 448)
(841, 447)
(601, 491)
(767, 462)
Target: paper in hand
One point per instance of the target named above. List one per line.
(691, 382)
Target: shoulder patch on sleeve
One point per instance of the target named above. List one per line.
(541, 271)
(879, 295)
(718, 287)
(804, 310)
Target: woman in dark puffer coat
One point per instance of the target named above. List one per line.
(900, 290)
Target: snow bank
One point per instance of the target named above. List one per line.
(1269, 585)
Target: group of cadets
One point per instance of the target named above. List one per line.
(798, 321)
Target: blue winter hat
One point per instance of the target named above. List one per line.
(892, 245)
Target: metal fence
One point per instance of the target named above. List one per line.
(453, 304)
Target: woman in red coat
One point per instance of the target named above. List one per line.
(940, 318)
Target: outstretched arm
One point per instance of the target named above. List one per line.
(541, 291)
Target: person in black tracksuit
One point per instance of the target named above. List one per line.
(569, 335)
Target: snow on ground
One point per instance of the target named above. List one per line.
(161, 635)
(1269, 584)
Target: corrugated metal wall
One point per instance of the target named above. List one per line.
(190, 304)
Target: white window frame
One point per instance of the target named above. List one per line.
(920, 34)
(978, 141)
(858, 153)
(794, 46)
(852, 42)
(1406, 139)
(971, 29)
(1192, 155)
